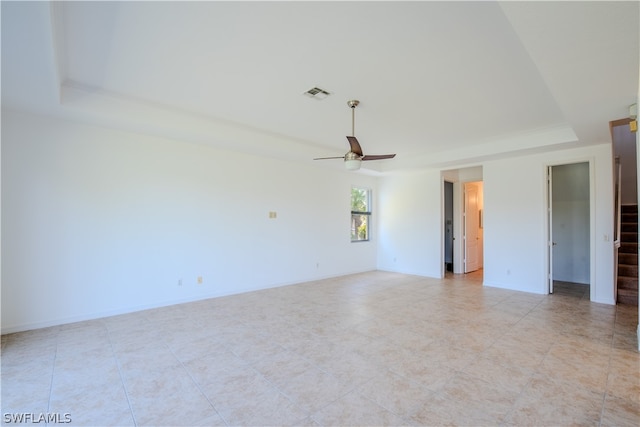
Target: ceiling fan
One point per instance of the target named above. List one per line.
(353, 158)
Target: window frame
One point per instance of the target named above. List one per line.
(367, 213)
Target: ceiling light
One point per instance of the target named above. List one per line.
(352, 161)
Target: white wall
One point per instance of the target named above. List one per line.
(624, 146)
(514, 221)
(98, 222)
(411, 223)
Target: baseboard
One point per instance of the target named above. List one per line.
(511, 288)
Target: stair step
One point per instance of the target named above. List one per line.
(628, 248)
(628, 258)
(627, 270)
(628, 296)
(625, 282)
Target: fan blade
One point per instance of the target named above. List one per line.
(379, 157)
(327, 158)
(355, 145)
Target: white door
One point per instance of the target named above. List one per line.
(471, 228)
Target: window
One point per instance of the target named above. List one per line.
(360, 214)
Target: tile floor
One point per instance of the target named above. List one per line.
(367, 349)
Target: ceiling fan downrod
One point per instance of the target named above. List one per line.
(353, 104)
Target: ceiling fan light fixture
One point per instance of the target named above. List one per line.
(352, 165)
(352, 161)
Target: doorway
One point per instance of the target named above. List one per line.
(453, 218)
(569, 240)
(448, 226)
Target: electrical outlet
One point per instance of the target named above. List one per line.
(200, 280)
(179, 282)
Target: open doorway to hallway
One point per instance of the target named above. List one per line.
(462, 225)
(569, 224)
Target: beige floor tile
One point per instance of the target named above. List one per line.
(627, 340)
(282, 367)
(418, 340)
(195, 349)
(74, 377)
(25, 394)
(313, 388)
(480, 396)
(473, 342)
(242, 396)
(254, 401)
(26, 379)
(93, 404)
(583, 349)
(211, 368)
(424, 371)
(375, 348)
(620, 412)
(548, 400)
(356, 410)
(235, 387)
(621, 381)
(625, 385)
(516, 352)
(443, 352)
(167, 398)
(154, 357)
(507, 376)
(318, 350)
(395, 393)
(385, 353)
(37, 355)
(592, 376)
(175, 337)
(349, 367)
(441, 410)
(255, 348)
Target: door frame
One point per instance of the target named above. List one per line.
(457, 176)
(454, 259)
(548, 276)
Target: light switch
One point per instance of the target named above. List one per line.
(273, 215)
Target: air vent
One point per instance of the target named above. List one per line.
(317, 93)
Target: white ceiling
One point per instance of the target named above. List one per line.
(440, 83)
